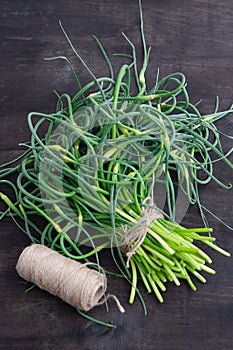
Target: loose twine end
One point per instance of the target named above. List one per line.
(112, 296)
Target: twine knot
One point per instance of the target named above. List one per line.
(134, 236)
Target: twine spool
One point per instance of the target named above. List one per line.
(71, 281)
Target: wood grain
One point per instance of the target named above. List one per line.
(195, 37)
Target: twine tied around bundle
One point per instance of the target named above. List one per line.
(134, 236)
(70, 280)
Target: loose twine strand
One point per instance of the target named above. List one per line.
(70, 280)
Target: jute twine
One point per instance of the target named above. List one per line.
(70, 280)
(134, 236)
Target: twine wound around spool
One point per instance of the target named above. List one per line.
(70, 280)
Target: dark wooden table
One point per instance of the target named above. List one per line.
(195, 37)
